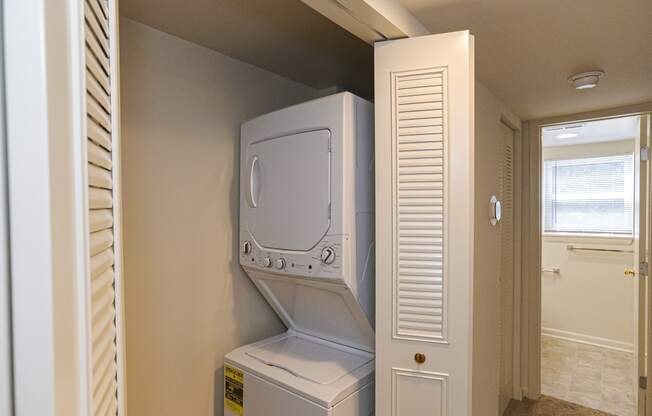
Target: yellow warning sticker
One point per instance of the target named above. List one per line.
(234, 390)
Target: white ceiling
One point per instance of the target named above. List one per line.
(283, 36)
(598, 131)
(525, 49)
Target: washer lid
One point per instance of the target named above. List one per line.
(287, 189)
(317, 362)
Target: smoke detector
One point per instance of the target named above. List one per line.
(586, 80)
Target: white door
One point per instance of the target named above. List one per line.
(506, 267)
(287, 188)
(424, 111)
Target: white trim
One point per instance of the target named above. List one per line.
(114, 39)
(611, 344)
(532, 238)
(80, 172)
(31, 220)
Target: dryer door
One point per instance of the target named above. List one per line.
(287, 190)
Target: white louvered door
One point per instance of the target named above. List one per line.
(100, 90)
(506, 267)
(424, 110)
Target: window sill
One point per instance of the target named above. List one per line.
(616, 239)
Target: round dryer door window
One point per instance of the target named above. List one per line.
(287, 187)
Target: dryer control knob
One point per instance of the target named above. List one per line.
(246, 247)
(328, 255)
(267, 262)
(280, 264)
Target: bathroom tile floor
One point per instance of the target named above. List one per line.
(594, 377)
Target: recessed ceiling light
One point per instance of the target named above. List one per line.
(567, 135)
(586, 80)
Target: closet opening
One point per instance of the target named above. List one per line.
(594, 251)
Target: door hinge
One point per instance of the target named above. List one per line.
(645, 153)
(642, 382)
(643, 268)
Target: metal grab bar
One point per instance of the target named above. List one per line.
(553, 270)
(602, 250)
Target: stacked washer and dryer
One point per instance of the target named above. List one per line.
(306, 241)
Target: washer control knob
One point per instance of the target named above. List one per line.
(328, 255)
(246, 247)
(280, 264)
(267, 262)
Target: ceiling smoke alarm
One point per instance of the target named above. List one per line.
(586, 80)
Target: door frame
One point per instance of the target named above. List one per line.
(531, 241)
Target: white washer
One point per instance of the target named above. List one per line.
(306, 241)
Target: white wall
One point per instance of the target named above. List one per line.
(187, 300)
(590, 300)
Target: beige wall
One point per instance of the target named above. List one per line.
(487, 260)
(187, 300)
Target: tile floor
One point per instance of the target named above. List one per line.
(594, 377)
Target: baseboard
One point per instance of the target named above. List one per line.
(588, 339)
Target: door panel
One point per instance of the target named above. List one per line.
(288, 190)
(424, 111)
(506, 267)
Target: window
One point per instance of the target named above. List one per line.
(589, 195)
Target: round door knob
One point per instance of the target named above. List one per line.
(280, 264)
(328, 255)
(246, 247)
(420, 358)
(267, 262)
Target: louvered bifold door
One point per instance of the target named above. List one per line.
(424, 224)
(506, 227)
(103, 346)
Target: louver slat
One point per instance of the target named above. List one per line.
(99, 177)
(99, 156)
(104, 372)
(97, 134)
(100, 241)
(97, 92)
(100, 219)
(94, 45)
(92, 22)
(420, 182)
(99, 198)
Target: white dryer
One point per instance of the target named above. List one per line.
(306, 241)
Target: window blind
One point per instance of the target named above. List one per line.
(589, 195)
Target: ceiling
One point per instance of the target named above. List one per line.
(283, 36)
(525, 49)
(598, 131)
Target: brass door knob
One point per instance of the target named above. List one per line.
(419, 358)
(629, 272)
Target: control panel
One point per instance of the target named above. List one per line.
(323, 261)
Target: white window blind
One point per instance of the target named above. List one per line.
(589, 195)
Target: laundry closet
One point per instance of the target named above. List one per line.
(181, 114)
